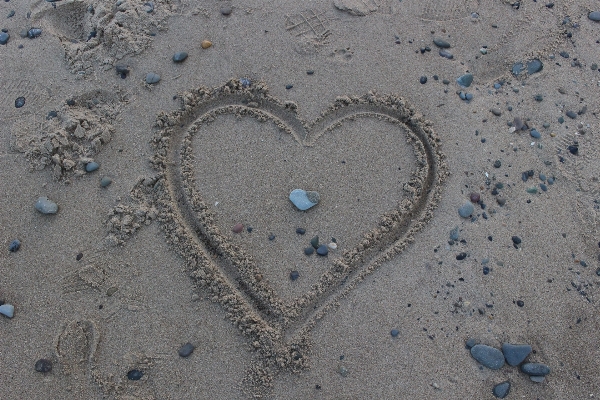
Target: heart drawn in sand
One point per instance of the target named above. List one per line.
(376, 164)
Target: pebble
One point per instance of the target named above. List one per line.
(288, 87)
(332, 245)
(237, 228)
(535, 369)
(446, 54)
(300, 231)
(465, 80)
(14, 246)
(310, 72)
(91, 166)
(304, 200)
(543, 187)
(394, 332)
(537, 379)
(423, 80)
(538, 97)
(122, 70)
(564, 54)
(152, 78)
(497, 164)
(441, 43)
(594, 16)
(4, 37)
(205, 44)
(520, 303)
(105, 181)
(7, 310)
(516, 240)
(186, 349)
(11, 14)
(271, 237)
(535, 134)
(135, 375)
(33, 33)
(294, 275)
(571, 114)
(517, 68)
(314, 242)
(534, 66)
(179, 57)
(149, 7)
(43, 365)
(470, 343)
(501, 390)
(309, 250)
(323, 250)
(488, 356)
(532, 190)
(343, 371)
(496, 111)
(46, 206)
(454, 233)
(226, 10)
(573, 149)
(20, 102)
(466, 210)
(515, 354)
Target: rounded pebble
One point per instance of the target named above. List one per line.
(496, 111)
(14, 246)
(186, 349)
(91, 166)
(271, 237)
(46, 206)
(394, 332)
(332, 245)
(237, 228)
(501, 390)
(520, 303)
(594, 16)
(294, 275)
(43, 365)
(33, 33)
(465, 80)
(516, 240)
(515, 354)
(8, 310)
(474, 197)
(314, 242)
(226, 10)
(180, 56)
(323, 250)
(535, 134)
(300, 231)
(571, 114)
(534, 66)
(135, 375)
(446, 54)
(304, 200)
(535, 369)
(309, 250)
(423, 80)
(466, 210)
(469, 96)
(4, 37)
(470, 343)
(105, 181)
(152, 78)
(205, 44)
(20, 102)
(488, 356)
(441, 43)
(122, 69)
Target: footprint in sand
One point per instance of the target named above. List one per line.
(76, 347)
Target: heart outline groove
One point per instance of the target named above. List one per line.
(280, 330)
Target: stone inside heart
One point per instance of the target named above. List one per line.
(232, 155)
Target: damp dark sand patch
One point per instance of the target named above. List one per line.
(278, 329)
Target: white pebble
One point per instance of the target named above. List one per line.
(8, 310)
(332, 245)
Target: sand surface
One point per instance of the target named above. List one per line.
(124, 275)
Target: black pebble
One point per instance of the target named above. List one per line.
(461, 256)
(497, 164)
(423, 80)
(300, 231)
(249, 229)
(14, 246)
(314, 242)
(486, 270)
(271, 237)
(310, 72)
(33, 33)
(135, 375)
(184, 351)
(51, 114)
(309, 250)
(121, 69)
(288, 87)
(43, 365)
(573, 149)
(70, 102)
(571, 114)
(520, 303)
(322, 250)
(294, 275)
(20, 102)
(180, 57)
(79, 256)
(516, 240)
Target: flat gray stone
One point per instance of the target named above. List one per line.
(594, 16)
(488, 356)
(501, 390)
(46, 206)
(152, 78)
(537, 379)
(515, 354)
(304, 200)
(441, 43)
(535, 369)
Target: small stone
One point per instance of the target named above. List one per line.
(535, 134)
(91, 166)
(43, 365)
(304, 200)
(271, 237)
(594, 16)
(564, 54)
(520, 303)
(496, 111)
(501, 390)
(314, 242)
(332, 246)
(461, 256)
(8, 310)
(152, 78)
(111, 290)
(571, 114)
(465, 80)
(535, 369)
(469, 96)
(226, 10)
(180, 57)
(516, 240)
(532, 190)
(537, 379)
(441, 43)
(543, 187)
(20, 102)
(186, 350)
(46, 206)
(322, 250)
(300, 231)
(470, 343)
(33, 33)
(288, 87)
(14, 246)
(534, 66)
(515, 354)
(343, 371)
(4, 37)
(517, 68)
(310, 72)
(294, 275)
(105, 181)
(497, 164)
(237, 228)
(309, 250)
(466, 210)
(573, 149)
(538, 97)
(446, 54)
(205, 44)
(488, 356)
(394, 332)
(149, 7)
(122, 69)
(135, 375)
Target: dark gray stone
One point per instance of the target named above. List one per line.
(534, 66)
(465, 80)
(501, 390)
(594, 16)
(46, 206)
(535, 369)
(515, 354)
(152, 78)
(180, 56)
(186, 350)
(323, 250)
(441, 43)
(488, 356)
(4, 37)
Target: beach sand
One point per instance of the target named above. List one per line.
(324, 96)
